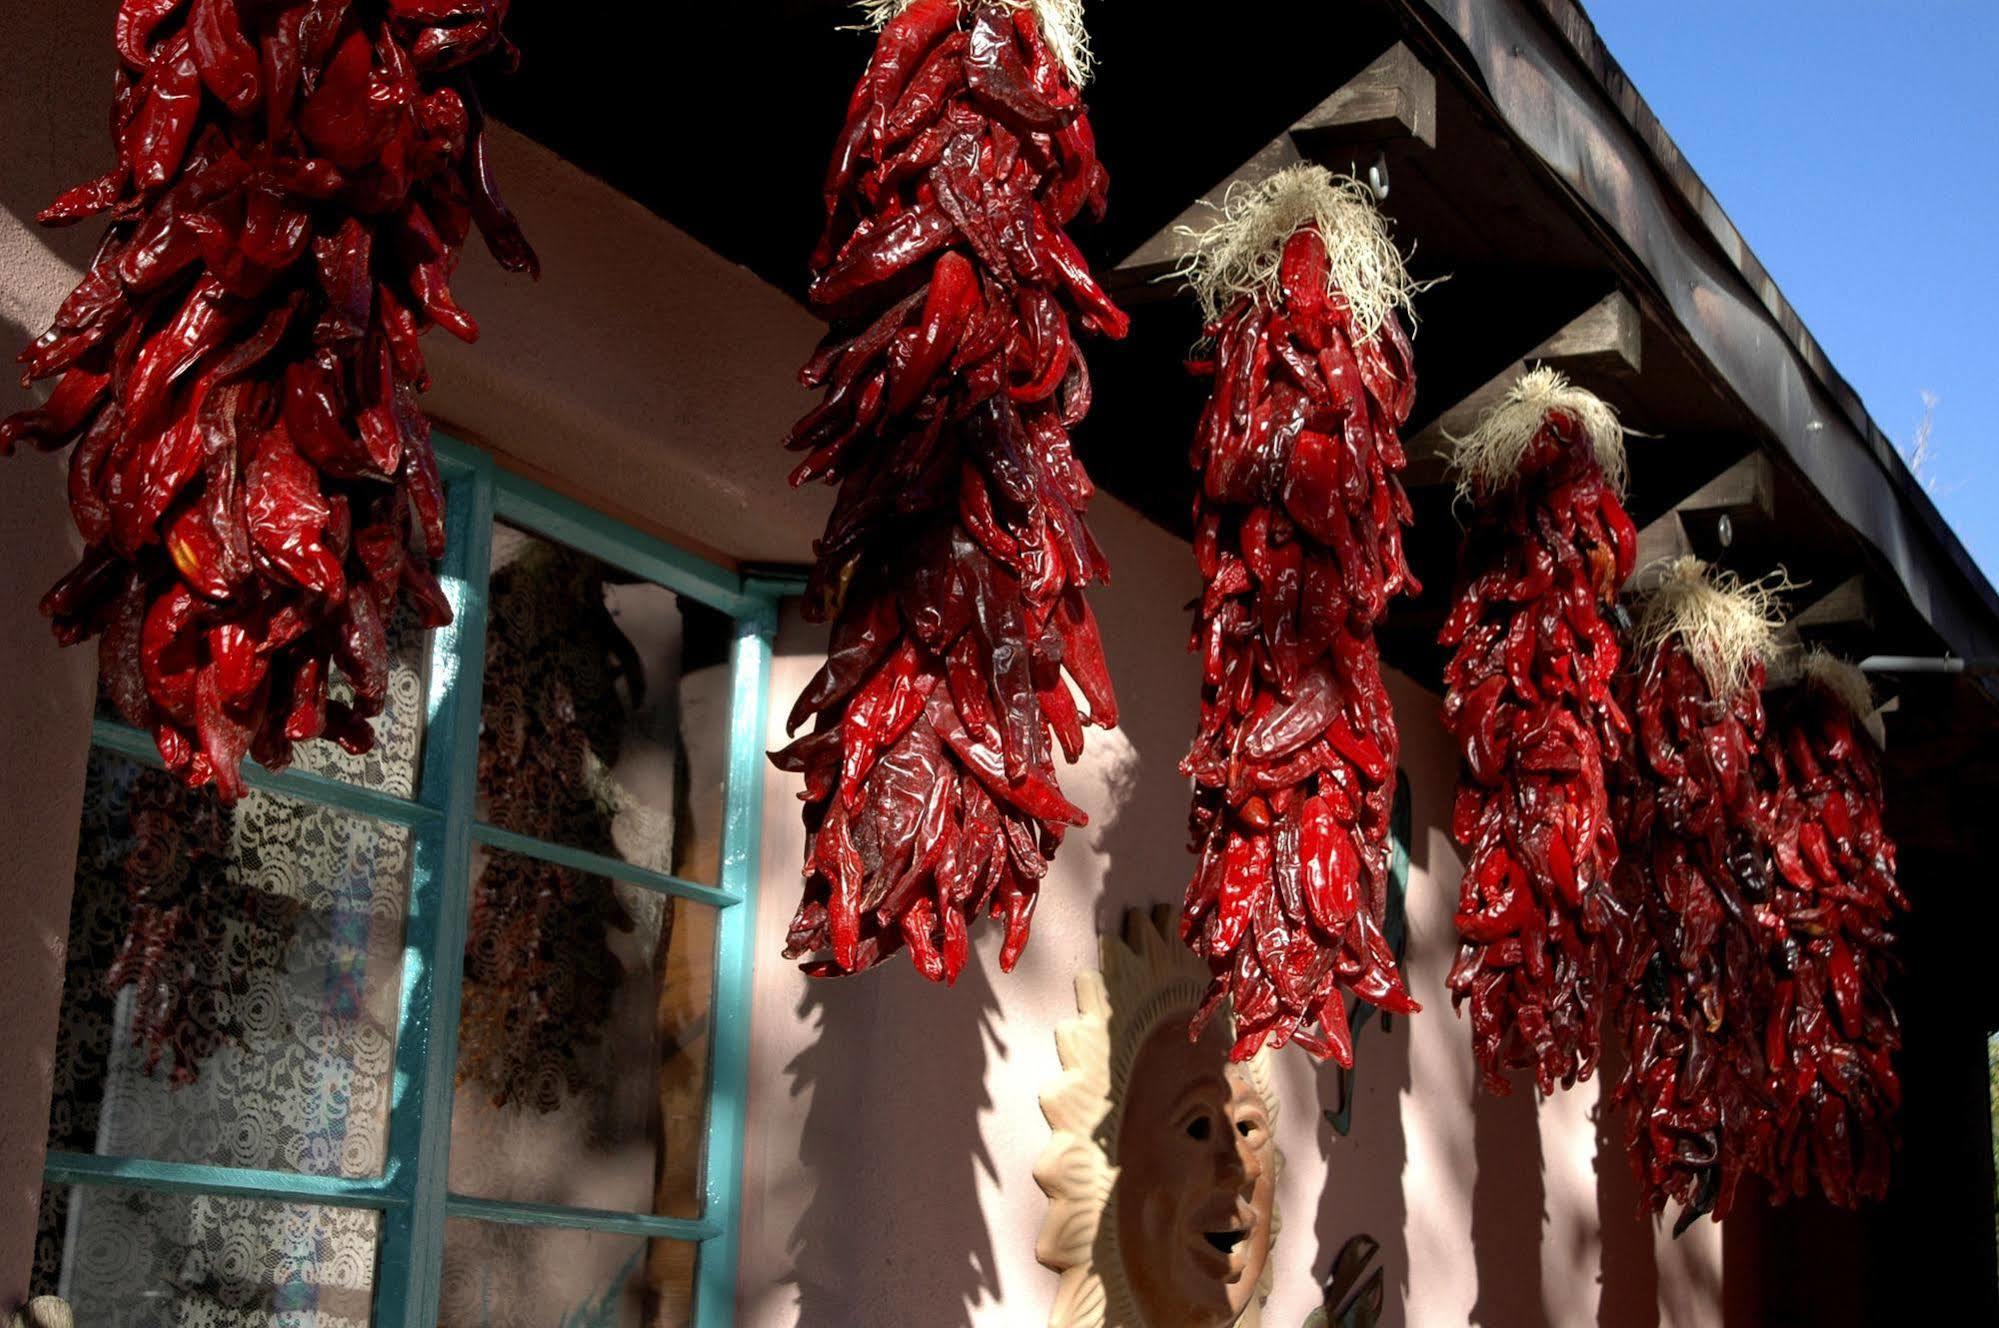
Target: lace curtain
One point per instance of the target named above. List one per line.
(254, 1028)
(262, 1033)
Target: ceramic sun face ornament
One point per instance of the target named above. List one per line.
(1161, 1174)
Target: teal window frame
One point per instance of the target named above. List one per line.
(411, 1194)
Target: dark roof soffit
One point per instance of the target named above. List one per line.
(1546, 73)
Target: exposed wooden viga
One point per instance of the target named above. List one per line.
(1394, 98)
(1744, 491)
(1601, 345)
(1839, 609)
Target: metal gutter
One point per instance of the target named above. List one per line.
(1545, 72)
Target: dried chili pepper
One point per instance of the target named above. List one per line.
(239, 369)
(1830, 1033)
(1688, 972)
(954, 561)
(1528, 695)
(1298, 535)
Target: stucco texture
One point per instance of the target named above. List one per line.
(45, 693)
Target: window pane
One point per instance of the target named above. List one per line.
(605, 717)
(392, 765)
(136, 1259)
(500, 1276)
(232, 979)
(583, 1043)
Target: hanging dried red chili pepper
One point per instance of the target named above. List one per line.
(1528, 696)
(1830, 1033)
(954, 561)
(1688, 970)
(1298, 534)
(252, 476)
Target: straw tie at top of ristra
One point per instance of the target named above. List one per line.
(1513, 439)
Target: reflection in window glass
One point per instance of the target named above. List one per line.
(583, 1042)
(136, 1259)
(499, 1276)
(233, 977)
(234, 974)
(605, 709)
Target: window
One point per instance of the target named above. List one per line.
(452, 1032)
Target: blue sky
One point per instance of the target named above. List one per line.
(1855, 144)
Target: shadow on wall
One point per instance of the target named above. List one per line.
(1363, 1189)
(49, 702)
(1630, 1276)
(906, 1229)
(1362, 1193)
(1140, 831)
(1509, 1207)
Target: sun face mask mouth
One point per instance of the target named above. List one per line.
(1227, 1239)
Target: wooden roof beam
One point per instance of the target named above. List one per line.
(1597, 346)
(1745, 490)
(1843, 607)
(1395, 98)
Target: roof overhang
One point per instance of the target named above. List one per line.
(1543, 68)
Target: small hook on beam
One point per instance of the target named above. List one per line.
(1377, 177)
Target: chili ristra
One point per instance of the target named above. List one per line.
(239, 368)
(1689, 969)
(1528, 696)
(1298, 536)
(954, 561)
(1830, 1032)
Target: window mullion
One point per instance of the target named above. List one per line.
(598, 864)
(742, 828)
(412, 1249)
(164, 1177)
(138, 746)
(561, 1217)
(568, 522)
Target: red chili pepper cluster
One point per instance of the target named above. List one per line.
(1689, 966)
(1830, 1034)
(955, 556)
(1298, 535)
(239, 368)
(1529, 699)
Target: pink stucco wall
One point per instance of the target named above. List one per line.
(893, 1125)
(44, 693)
